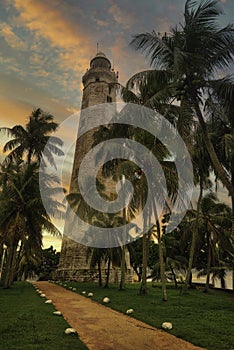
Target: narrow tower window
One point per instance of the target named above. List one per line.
(97, 79)
(109, 99)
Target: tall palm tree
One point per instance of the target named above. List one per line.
(175, 260)
(213, 233)
(221, 128)
(202, 168)
(216, 224)
(117, 168)
(98, 256)
(31, 140)
(22, 215)
(191, 54)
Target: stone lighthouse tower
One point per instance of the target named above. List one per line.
(99, 83)
(99, 87)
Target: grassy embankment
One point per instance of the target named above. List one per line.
(27, 323)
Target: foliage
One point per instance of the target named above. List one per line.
(189, 57)
(31, 140)
(49, 263)
(23, 216)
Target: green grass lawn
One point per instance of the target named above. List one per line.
(26, 322)
(206, 320)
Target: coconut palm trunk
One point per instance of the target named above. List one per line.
(208, 267)
(10, 265)
(123, 257)
(194, 239)
(232, 199)
(122, 277)
(233, 278)
(99, 273)
(2, 262)
(162, 263)
(108, 273)
(233, 239)
(143, 287)
(161, 258)
(174, 275)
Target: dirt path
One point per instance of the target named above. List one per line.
(102, 328)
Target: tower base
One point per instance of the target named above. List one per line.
(91, 275)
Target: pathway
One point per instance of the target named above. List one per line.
(102, 328)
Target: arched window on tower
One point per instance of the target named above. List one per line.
(108, 98)
(97, 79)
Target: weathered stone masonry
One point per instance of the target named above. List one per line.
(99, 87)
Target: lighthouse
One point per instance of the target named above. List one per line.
(99, 86)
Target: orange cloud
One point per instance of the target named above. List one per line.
(11, 38)
(47, 20)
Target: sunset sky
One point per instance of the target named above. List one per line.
(46, 47)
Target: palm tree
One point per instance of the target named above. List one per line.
(118, 168)
(214, 244)
(202, 168)
(216, 224)
(103, 220)
(175, 259)
(22, 215)
(191, 54)
(189, 238)
(31, 140)
(101, 257)
(221, 128)
(107, 255)
(95, 256)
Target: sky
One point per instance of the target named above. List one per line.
(46, 47)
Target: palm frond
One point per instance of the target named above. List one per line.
(157, 48)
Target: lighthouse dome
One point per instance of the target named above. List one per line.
(100, 61)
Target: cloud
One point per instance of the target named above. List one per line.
(47, 21)
(121, 16)
(11, 63)
(18, 98)
(6, 31)
(102, 23)
(54, 23)
(57, 52)
(61, 43)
